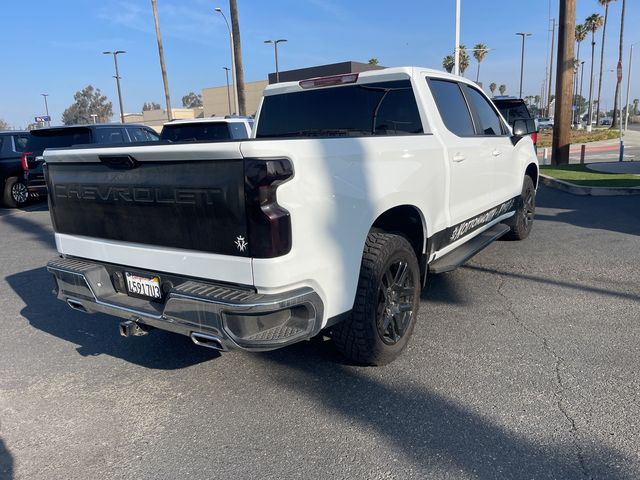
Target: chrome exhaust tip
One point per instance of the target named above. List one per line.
(76, 305)
(206, 340)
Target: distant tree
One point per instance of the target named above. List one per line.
(150, 106)
(614, 117)
(373, 61)
(448, 63)
(592, 23)
(493, 87)
(479, 52)
(464, 59)
(605, 4)
(502, 89)
(192, 100)
(3, 125)
(635, 106)
(86, 102)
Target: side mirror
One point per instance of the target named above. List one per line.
(524, 126)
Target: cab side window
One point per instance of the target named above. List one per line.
(488, 120)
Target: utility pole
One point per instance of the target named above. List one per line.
(626, 119)
(562, 117)
(163, 67)
(237, 52)
(553, 43)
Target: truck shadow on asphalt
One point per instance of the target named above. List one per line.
(433, 432)
(6, 462)
(616, 214)
(98, 334)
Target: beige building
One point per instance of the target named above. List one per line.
(215, 99)
(156, 118)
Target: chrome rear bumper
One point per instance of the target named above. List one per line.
(237, 317)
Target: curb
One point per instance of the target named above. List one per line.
(582, 190)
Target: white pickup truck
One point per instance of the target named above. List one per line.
(352, 189)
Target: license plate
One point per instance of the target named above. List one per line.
(144, 286)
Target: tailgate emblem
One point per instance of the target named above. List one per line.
(241, 243)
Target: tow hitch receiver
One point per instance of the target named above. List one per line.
(133, 329)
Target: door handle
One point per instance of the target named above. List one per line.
(458, 157)
(496, 153)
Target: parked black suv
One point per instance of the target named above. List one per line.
(60, 137)
(12, 144)
(513, 109)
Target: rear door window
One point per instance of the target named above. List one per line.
(109, 135)
(452, 107)
(371, 109)
(20, 142)
(238, 130)
(138, 134)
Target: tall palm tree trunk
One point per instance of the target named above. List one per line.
(478, 74)
(604, 31)
(237, 49)
(593, 51)
(614, 121)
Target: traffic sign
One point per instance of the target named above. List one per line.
(619, 72)
(43, 118)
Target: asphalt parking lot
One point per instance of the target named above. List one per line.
(523, 365)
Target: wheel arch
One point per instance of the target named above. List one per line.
(408, 221)
(532, 171)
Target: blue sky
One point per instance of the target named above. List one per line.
(55, 47)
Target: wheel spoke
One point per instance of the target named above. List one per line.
(405, 307)
(401, 274)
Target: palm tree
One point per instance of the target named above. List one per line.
(605, 4)
(463, 59)
(614, 117)
(479, 52)
(581, 34)
(373, 61)
(493, 87)
(237, 50)
(502, 89)
(592, 23)
(448, 63)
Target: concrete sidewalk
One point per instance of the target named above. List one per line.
(615, 167)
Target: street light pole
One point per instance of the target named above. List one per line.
(233, 59)
(275, 45)
(226, 71)
(626, 116)
(46, 106)
(456, 51)
(523, 35)
(117, 77)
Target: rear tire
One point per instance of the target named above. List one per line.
(522, 221)
(15, 193)
(384, 314)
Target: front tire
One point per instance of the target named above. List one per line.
(15, 193)
(384, 314)
(522, 222)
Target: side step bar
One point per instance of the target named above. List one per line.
(464, 252)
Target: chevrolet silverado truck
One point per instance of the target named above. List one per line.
(351, 191)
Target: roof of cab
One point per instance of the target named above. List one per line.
(385, 74)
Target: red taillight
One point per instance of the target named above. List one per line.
(329, 81)
(534, 138)
(23, 161)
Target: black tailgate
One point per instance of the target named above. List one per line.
(190, 204)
